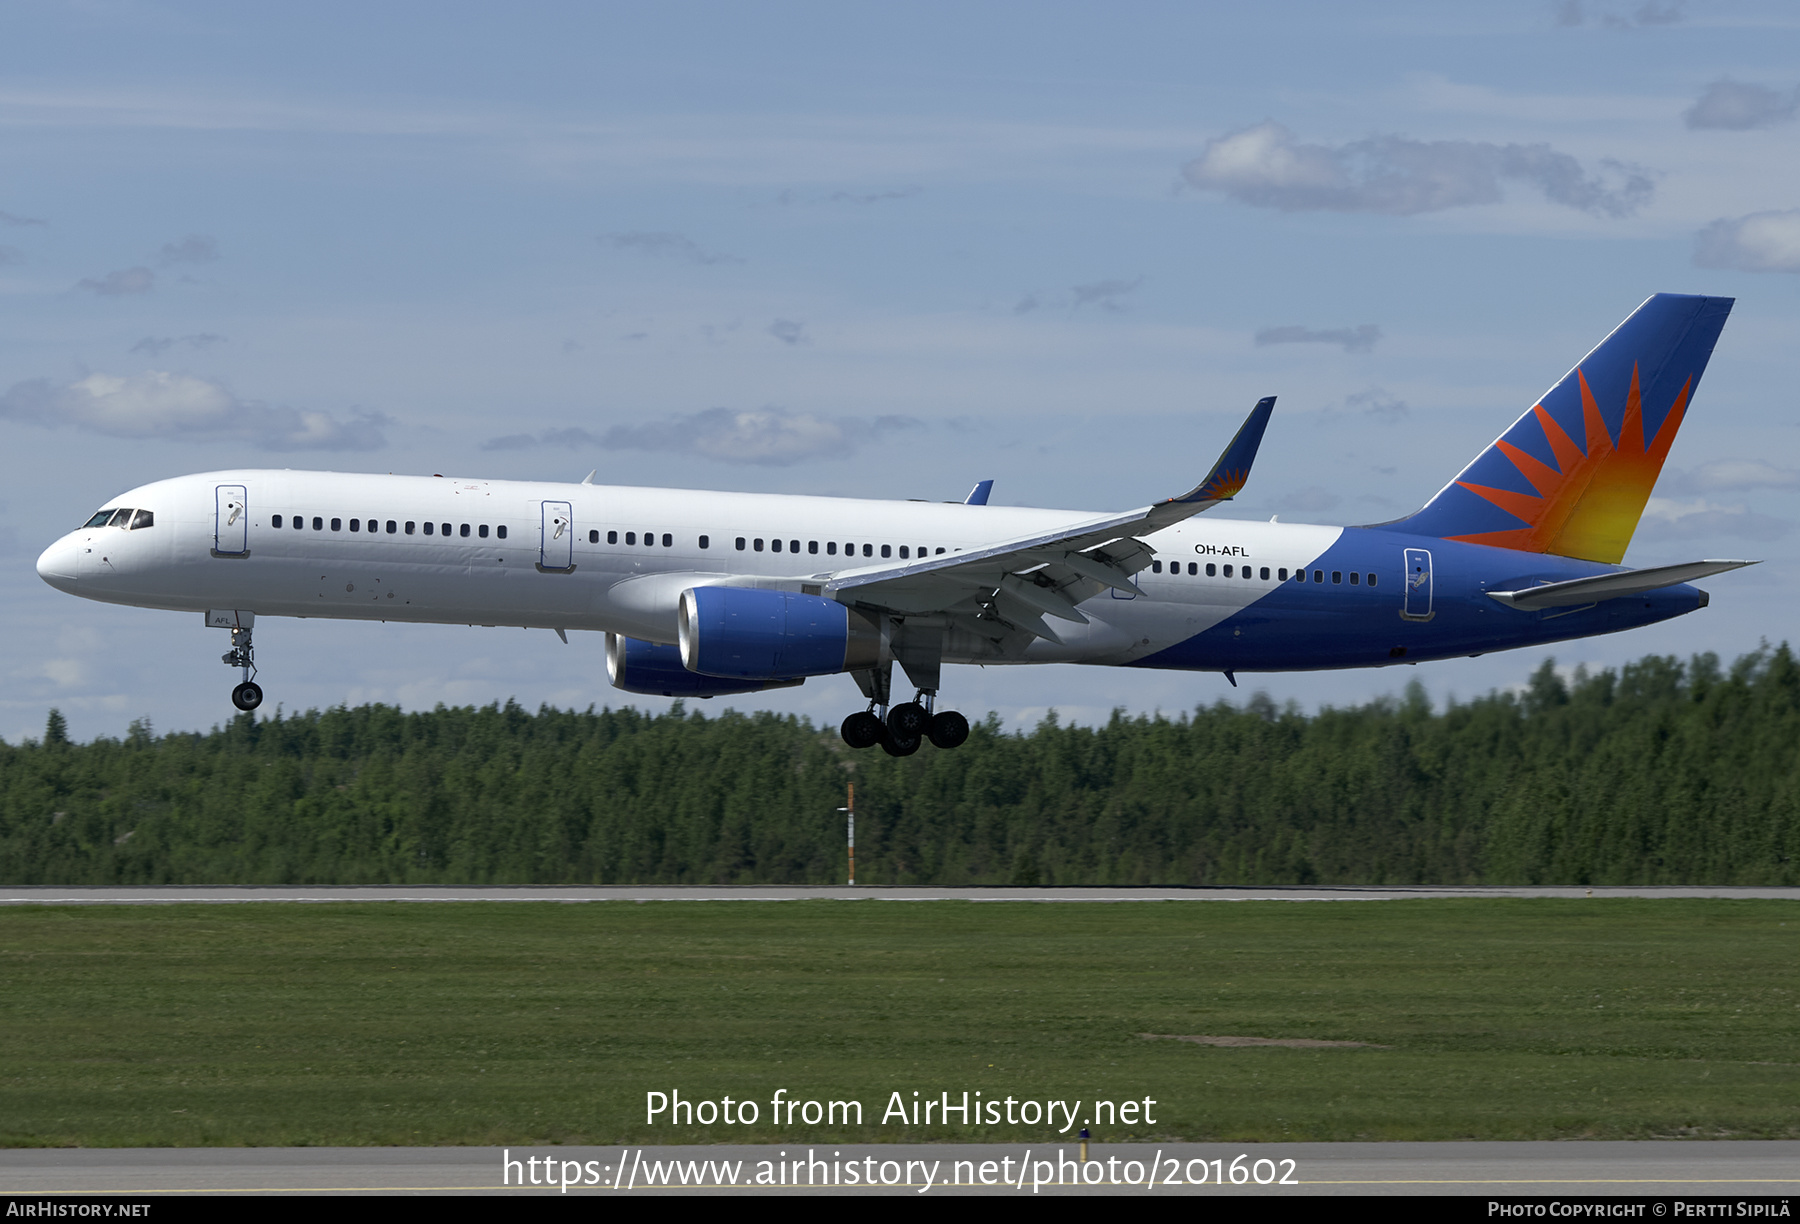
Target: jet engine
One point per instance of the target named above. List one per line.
(645, 667)
(752, 634)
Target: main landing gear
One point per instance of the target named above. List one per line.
(247, 695)
(905, 726)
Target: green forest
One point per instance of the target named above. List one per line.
(1662, 772)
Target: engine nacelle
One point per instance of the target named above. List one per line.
(746, 633)
(656, 671)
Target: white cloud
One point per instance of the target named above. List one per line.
(1735, 107)
(1266, 166)
(1352, 339)
(1669, 518)
(195, 248)
(1105, 294)
(789, 332)
(1376, 402)
(157, 404)
(1571, 13)
(667, 245)
(1760, 242)
(157, 345)
(124, 281)
(1722, 475)
(766, 437)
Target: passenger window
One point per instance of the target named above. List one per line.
(1265, 573)
(1337, 576)
(794, 546)
(144, 519)
(1193, 569)
(1371, 579)
(831, 548)
(392, 527)
(593, 537)
(1283, 573)
(757, 544)
(812, 547)
(356, 525)
(1355, 578)
(409, 527)
(774, 545)
(1318, 575)
(500, 531)
(740, 543)
(905, 553)
(705, 541)
(1212, 571)
(429, 527)
(105, 516)
(462, 531)
(482, 531)
(338, 524)
(886, 551)
(868, 550)
(612, 537)
(940, 552)
(649, 539)
(299, 523)
(668, 538)
(274, 519)
(318, 523)
(1228, 571)
(1156, 567)
(631, 537)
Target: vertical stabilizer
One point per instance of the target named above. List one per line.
(1571, 476)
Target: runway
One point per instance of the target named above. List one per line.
(52, 894)
(1689, 1169)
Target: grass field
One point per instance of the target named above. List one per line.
(544, 1023)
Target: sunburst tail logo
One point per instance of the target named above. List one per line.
(1571, 476)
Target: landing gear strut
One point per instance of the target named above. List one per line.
(247, 695)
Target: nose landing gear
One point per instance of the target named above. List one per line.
(247, 695)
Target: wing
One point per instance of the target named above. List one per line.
(1009, 588)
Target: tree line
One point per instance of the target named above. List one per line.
(1662, 772)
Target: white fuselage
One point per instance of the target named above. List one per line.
(595, 557)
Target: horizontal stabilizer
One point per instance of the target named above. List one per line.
(1611, 586)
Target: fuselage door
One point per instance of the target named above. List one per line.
(556, 546)
(231, 523)
(1418, 585)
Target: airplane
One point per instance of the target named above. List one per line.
(704, 594)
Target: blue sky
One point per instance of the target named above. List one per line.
(873, 250)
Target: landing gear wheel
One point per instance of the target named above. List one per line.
(894, 746)
(947, 729)
(247, 696)
(906, 721)
(862, 730)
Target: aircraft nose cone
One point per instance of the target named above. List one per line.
(57, 564)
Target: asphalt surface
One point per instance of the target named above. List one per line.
(51, 894)
(1689, 1169)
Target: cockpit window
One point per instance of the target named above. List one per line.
(121, 518)
(144, 519)
(100, 519)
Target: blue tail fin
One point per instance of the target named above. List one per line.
(1571, 476)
